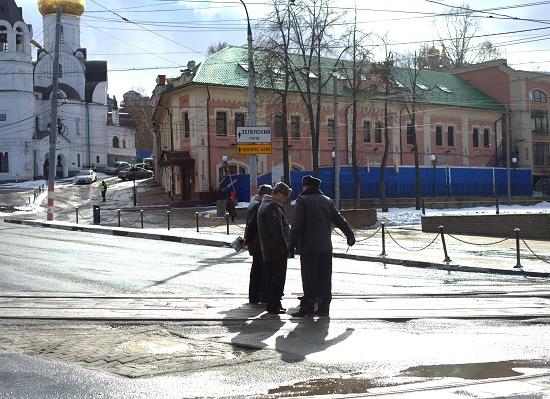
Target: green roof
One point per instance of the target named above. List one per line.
(229, 67)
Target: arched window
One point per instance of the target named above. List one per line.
(19, 36)
(4, 163)
(232, 169)
(538, 96)
(3, 38)
(124, 144)
(115, 142)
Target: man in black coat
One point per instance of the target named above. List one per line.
(274, 232)
(257, 285)
(311, 237)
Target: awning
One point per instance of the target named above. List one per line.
(176, 158)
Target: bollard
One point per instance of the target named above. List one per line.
(34, 192)
(197, 220)
(168, 219)
(518, 260)
(383, 239)
(423, 207)
(227, 221)
(141, 216)
(30, 200)
(77, 215)
(442, 232)
(496, 202)
(97, 214)
(118, 215)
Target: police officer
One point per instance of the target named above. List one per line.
(274, 232)
(257, 285)
(311, 237)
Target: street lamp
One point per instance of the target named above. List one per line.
(253, 168)
(333, 156)
(433, 159)
(514, 166)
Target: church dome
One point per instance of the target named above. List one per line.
(74, 7)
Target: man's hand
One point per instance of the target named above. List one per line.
(291, 253)
(351, 241)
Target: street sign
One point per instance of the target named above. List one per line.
(251, 149)
(256, 134)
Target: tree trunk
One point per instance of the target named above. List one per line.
(418, 187)
(385, 156)
(286, 166)
(355, 166)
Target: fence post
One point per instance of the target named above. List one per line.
(383, 239)
(97, 214)
(168, 218)
(197, 220)
(141, 216)
(77, 215)
(497, 204)
(423, 207)
(227, 221)
(442, 232)
(118, 215)
(518, 257)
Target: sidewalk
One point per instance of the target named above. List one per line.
(404, 246)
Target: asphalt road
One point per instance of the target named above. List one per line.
(255, 357)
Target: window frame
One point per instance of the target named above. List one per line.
(117, 141)
(4, 45)
(451, 136)
(221, 123)
(409, 134)
(367, 131)
(278, 126)
(540, 119)
(475, 136)
(331, 131)
(4, 162)
(438, 135)
(378, 132)
(295, 126)
(186, 125)
(538, 96)
(237, 120)
(486, 137)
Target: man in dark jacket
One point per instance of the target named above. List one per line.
(311, 237)
(274, 232)
(256, 287)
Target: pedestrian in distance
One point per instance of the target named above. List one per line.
(311, 237)
(103, 189)
(274, 232)
(231, 205)
(258, 274)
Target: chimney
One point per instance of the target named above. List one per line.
(191, 65)
(161, 80)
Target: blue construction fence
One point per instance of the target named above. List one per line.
(400, 183)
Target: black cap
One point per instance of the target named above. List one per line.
(311, 181)
(282, 188)
(265, 189)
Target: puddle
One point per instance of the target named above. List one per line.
(475, 371)
(327, 386)
(155, 347)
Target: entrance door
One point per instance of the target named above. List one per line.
(187, 175)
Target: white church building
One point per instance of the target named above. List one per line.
(86, 135)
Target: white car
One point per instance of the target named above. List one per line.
(86, 176)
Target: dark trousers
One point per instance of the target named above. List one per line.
(257, 285)
(316, 281)
(103, 195)
(276, 270)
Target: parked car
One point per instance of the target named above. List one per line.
(116, 167)
(144, 165)
(85, 176)
(134, 173)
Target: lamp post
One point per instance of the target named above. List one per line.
(333, 156)
(514, 166)
(253, 168)
(433, 158)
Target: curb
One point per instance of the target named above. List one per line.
(125, 232)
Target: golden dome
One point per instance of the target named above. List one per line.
(74, 7)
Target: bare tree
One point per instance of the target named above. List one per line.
(140, 112)
(487, 51)
(214, 48)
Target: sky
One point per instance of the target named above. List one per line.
(163, 35)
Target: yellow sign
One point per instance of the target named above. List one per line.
(250, 149)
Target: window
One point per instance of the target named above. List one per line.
(366, 131)
(97, 159)
(540, 122)
(231, 170)
(410, 133)
(330, 130)
(3, 38)
(239, 121)
(538, 96)
(124, 144)
(221, 123)
(78, 160)
(19, 40)
(439, 136)
(444, 88)
(475, 137)
(421, 86)
(451, 136)
(3, 117)
(185, 119)
(542, 154)
(486, 138)
(115, 142)
(295, 127)
(4, 163)
(278, 125)
(378, 127)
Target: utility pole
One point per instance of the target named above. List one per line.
(253, 167)
(508, 156)
(336, 144)
(52, 161)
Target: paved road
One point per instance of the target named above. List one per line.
(222, 347)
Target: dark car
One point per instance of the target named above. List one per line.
(116, 167)
(134, 173)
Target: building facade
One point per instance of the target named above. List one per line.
(196, 116)
(84, 137)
